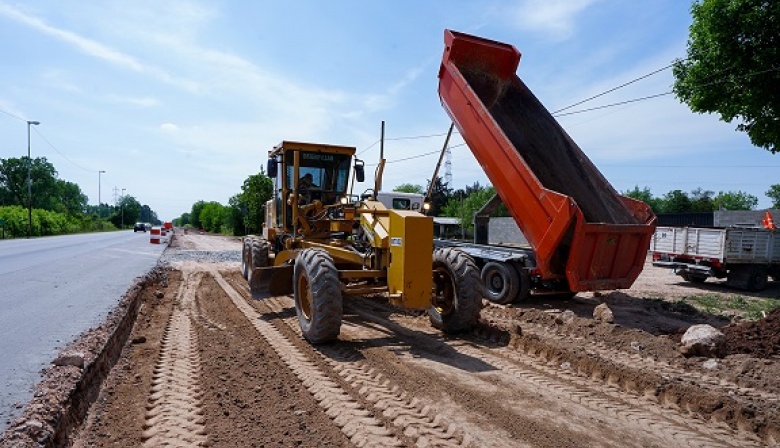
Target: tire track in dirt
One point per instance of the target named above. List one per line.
(506, 316)
(645, 416)
(174, 415)
(724, 403)
(347, 413)
(416, 420)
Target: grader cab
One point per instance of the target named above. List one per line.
(322, 243)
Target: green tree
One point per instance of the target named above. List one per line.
(701, 200)
(774, 194)
(733, 66)
(409, 188)
(127, 211)
(676, 201)
(645, 196)
(195, 214)
(465, 208)
(439, 196)
(13, 182)
(735, 200)
(255, 192)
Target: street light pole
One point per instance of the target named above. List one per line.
(100, 215)
(123, 207)
(29, 180)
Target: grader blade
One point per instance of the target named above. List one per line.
(271, 281)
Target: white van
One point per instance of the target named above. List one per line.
(401, 201)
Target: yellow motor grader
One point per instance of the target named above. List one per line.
(322, 243)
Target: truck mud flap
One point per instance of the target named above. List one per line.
(271, 281)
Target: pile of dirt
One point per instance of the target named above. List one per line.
(760, 338)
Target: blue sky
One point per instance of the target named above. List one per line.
(180, 100)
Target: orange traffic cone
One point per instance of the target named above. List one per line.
(769, 223)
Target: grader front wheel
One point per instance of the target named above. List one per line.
(317, 293)
(457, 291)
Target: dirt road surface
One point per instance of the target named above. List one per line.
(205, 365)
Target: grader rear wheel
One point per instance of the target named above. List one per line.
(457, 291)
(246, 251)
(317, 292)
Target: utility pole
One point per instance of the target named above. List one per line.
(29, 180)
(123, 207)
(100, 215)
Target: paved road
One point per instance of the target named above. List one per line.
(51, 290)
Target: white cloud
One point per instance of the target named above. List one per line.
(169, 127)
(93, 48)
(134, 101)
(555, 18)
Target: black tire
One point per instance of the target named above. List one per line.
(246, 250)
(317, 293)
(693, 278)
(758, 279)
(525, 284)
(258, 251)
(501, 281)
(457, 291)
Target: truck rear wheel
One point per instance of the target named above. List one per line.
(317, 292)
(457, 291)
(502, 282)
(758, 279)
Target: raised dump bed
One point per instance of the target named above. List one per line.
(580, 227)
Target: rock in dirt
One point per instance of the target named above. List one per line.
(602, 313)
(70, 359)
(159, 294)
(703, 340)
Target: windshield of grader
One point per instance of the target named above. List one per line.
(322, 175)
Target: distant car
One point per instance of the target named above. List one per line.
(139, 227)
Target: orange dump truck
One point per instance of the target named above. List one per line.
(585, 236)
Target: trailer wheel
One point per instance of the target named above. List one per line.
(758, 279)
(258, 255)
(693, 278)
(457, 291)
(317, 292)
(502, 283)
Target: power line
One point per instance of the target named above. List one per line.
(615, 88)
(372, 145)
(635, 100)
(418, 155)
(63, 155)
(12, 115)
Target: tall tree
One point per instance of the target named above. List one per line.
(735, 200)
(676, 201)
(13, 182)
(774, 194)
(440, 194)
(195, 214)
(255, 192)
(127, 211)
(733, 66)
(701, 200)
